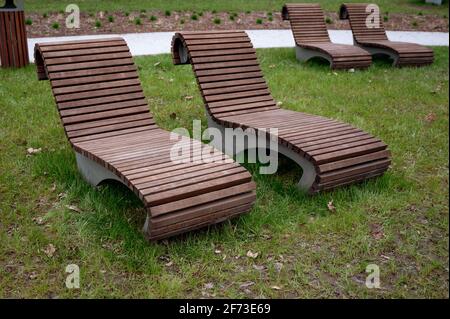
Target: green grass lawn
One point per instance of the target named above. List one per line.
(399, 221)
(402, 6)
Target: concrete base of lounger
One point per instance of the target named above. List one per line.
(304, 55)
(95, 174)
(382, 52)
(309, 171)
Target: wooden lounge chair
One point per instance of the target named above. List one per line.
(107, 121)
(372, 37)
(312, 39)
(235, 93)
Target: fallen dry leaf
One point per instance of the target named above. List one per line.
(32, 151)
(62, 195)
(73, 208)
(33, 275)
(276, 287)
(169, 264)
(258, 267)
(217, 251)
(266, 237)
(377, 231)
(209, 285)
(39, 220)
(278, 267)
(157, 63)
(331, 207)
(272, 66)
(431, 117)
(251, 254)
(246, 284)
(188, 97)
(351, 70)
(50, 250)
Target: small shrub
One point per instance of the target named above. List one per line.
(98, 24)
(142, 15)
(248, 12)
(328, 20)
(232, 17)
(420, 13)
(386, 13)
(143, 11)
(415, 24)
(45, 15)
(167, 13)
(217, 21)
(28, 21)
(55, 25)
(259, 21)
(138, 21)
(200, 14)
(385, 18)
(194, 17)
(214, 11)
(111, 19)
(153, 18)
(127, 13)
(269, 14)
(182, 21)
(270, 19)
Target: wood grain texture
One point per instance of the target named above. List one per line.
(13, 39)
(340, 153)
(106, 118)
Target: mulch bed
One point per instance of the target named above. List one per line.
(133, 22)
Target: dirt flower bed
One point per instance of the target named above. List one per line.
(53, 24)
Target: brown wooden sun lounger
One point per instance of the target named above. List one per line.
(312, 39)
(369, 33)
(235, 93)
(107, 121)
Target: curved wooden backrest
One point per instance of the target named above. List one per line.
(96, 87)
(365, 21)
(307, 22)
(227, 71)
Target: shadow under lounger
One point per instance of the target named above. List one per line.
(312, 39)
(235, 93)
(373, 38)
(108, 123)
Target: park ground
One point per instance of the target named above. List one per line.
(290, 245)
